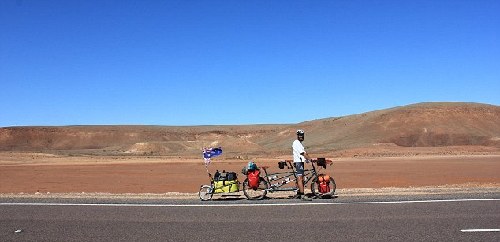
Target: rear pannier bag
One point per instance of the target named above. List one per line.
(253, 179)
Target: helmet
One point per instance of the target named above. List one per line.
(300, 132)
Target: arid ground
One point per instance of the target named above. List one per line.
(421, 145)
(31, 173)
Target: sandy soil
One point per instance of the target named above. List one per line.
(31, 173)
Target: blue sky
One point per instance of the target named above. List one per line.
(240, 62)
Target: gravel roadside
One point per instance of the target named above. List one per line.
(389, 191)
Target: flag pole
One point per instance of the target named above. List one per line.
(208, 153)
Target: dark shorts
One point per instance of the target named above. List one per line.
(299, 166)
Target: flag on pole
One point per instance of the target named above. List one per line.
(208, 153)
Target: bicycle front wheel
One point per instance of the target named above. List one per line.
(257, 193)
(330, 191)
(206, 192)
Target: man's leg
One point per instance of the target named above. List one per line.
(300, 184)
(299, 168)
(300, 181)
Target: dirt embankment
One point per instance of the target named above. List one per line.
(419, 125)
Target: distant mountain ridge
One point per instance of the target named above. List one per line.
(417, 125)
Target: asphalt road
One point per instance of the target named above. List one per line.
(388, 218)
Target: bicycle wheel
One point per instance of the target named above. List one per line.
(317, 193)
(258, 193)
(206, 192)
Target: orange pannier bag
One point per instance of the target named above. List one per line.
(324, 183)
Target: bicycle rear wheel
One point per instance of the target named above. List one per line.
(331, 188)
(258, 193)
(206, 192)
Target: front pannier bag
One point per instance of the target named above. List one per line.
(324, 183)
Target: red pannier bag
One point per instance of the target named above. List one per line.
(253, 179)
(324, 183)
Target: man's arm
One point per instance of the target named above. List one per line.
(306, 156)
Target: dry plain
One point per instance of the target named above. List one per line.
(426, 145)
(32, 173)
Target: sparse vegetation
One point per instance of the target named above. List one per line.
(418, 125)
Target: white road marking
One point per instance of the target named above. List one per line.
(435, 201)
(479, 230)
(163, 205)
(241, 205)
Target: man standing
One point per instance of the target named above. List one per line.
(299, 157)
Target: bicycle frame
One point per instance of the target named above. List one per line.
(274, 182)
(278, 179)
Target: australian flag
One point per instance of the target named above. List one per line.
(208, 153)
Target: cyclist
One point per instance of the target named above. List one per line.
(299, 157)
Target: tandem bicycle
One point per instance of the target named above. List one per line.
(322, 185)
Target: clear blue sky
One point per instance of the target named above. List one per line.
(240, 62)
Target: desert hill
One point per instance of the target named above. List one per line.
(417, 125)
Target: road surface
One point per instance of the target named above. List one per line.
(471, 217)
